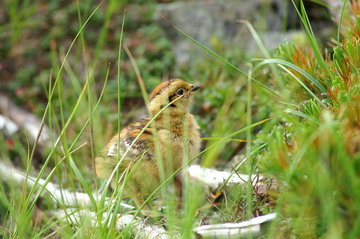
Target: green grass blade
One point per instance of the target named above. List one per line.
(340, 21)
(294, 67)
(264, 51)
(301, 114)
(303, 85)
(311, 36)
(103, 196)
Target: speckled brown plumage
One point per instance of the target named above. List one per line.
(174, 137)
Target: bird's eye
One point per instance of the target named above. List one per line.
(180, 92)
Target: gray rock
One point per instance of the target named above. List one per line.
(218, 21)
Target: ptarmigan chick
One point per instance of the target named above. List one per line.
(172, 137)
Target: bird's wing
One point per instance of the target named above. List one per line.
(143, 146)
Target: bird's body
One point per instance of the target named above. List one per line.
(170, 139)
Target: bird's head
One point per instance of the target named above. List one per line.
(168, 91)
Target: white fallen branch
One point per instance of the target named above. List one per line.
(138, 226)
(214, 178)
(252, 227)
(24, 120)
(62, 196)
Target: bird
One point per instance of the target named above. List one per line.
(172, 138)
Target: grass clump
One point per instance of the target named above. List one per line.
(316, 154)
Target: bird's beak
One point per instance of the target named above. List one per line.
(196, 87)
